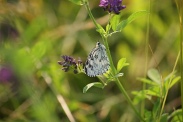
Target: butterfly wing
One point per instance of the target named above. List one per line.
(97, 62)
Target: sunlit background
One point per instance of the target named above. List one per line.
(35, 33)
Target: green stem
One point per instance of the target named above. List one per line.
(86, 3)
(166, 94)
(179, 4)
(114, 72)
(181, 40)
(142, 106)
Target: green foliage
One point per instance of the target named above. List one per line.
(33, 36)
(34, 29)
(159, 88)
(100, 29)
(154, 75)
(176, 116)
(131, 18)
(118, 26)
(164, 118)
(121, 63)
(115, 21)
(94, 84)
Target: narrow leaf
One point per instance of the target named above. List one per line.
(121, 63)
(171, 75)
(153, 91)
(100, 29)
(131, 18)
(34, 28)
(119, 75)
(95, 84)
(115, 21)
(150, 82)
(108, 27)
(174, 81)
(169, 83)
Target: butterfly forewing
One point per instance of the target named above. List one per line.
(97, 62)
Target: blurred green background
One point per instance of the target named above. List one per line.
(35, 33)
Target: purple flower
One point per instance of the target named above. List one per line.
(70, 63)
(112, 5)
(6, 74)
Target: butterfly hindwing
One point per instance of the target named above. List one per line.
(97, 62)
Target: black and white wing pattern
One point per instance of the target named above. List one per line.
(97, 62)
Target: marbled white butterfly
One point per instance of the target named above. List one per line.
(97, 62)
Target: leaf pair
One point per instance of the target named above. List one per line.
(117, 25)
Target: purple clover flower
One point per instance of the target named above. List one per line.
(70, 63)
(6, 74)
(112, 5)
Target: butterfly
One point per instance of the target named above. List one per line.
(97, 62)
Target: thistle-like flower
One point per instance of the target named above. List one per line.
(112, 5)
(70, 63)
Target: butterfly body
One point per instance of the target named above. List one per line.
(97, 62)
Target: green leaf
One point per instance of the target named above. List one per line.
(78, 2)
(150, 82)
(169, 83)
(121, 63)
(22, 60)
(140, 96)
(34, 29)
(154, 75)
(108, 27)
(95, 84)
(164, 118)
(153, 91)
(119, 75)
(170, 80)
(156, 108)
(115, 21)
(174, 81)
(131, 18)
(171, 75)
(39, 49)
(176, 116)
(100, 29)
(148, 115)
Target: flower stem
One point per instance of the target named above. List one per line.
(86, 3)
(142, 106)
(179, 4)
(114, 72)
(180, 8)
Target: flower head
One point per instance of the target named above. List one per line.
(70, 63)
(6, 74)
(112, 5)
